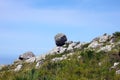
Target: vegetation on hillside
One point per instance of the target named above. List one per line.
(84, 64)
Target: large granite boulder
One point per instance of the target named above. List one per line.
(26, 56)
(60, 39)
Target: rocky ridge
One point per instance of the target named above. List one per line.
(104, 43)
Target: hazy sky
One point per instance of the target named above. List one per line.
(30, 25)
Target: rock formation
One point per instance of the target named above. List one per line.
(60, 39)
(105, 45)
(26, 55)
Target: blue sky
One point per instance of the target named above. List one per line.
(30, 25)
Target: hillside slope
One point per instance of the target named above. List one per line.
(96, 60)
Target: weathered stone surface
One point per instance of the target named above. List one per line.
(60, 39)
(116, 63)
(104, 38)
(112, 40)
(26, 56)
(78, 46)
(71, 46)
(30, 60)
(58, 59)
(18, 68)
(95, 44)
(57, 50)
(39, 58)
(68, 42)
(107, 48)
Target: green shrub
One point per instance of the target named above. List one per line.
(116, 34)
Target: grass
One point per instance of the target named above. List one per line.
(73, 68)
(86, 68)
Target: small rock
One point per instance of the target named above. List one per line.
(79, 57)
(115, 65)
(60, 39)
(99, 63)
(26, 56)
(18, 68)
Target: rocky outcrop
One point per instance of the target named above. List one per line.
(26, 56)
(106, 48)
(57, 50)
(104, 38)
(65, 49)
(30, 60)
(72, 46)
(95, 44)
(60, 39)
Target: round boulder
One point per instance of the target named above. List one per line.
(60, 39)
(26, 55)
